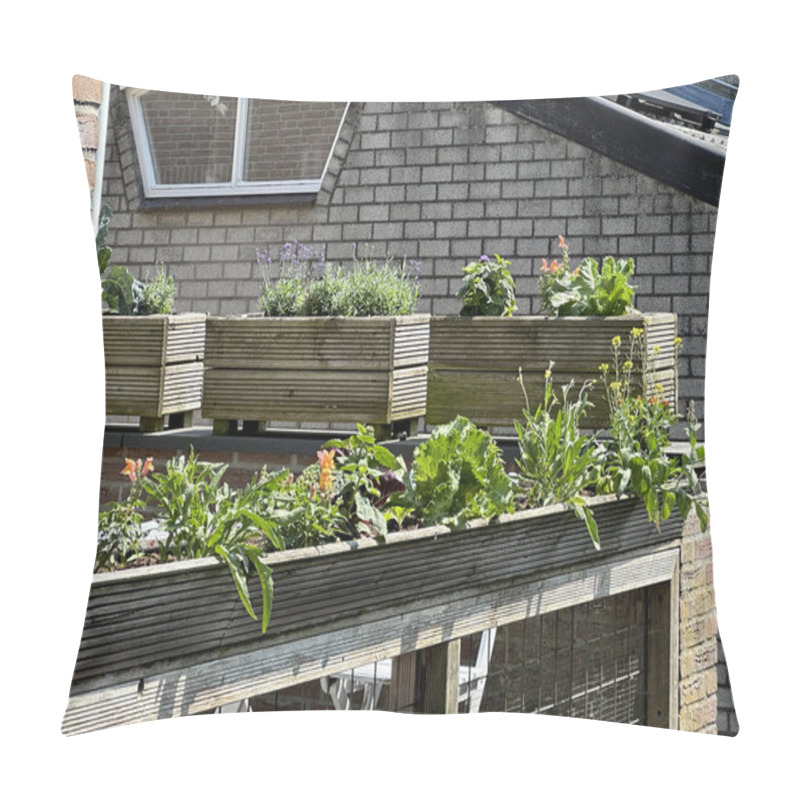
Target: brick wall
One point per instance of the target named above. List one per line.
(87, 95)
(698, 633)
(443, 183)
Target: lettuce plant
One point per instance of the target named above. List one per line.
(458, 475)
(587, 290)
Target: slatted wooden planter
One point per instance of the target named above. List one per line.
(173, 639)
(154, 367)
(475, 362)
(316, 369)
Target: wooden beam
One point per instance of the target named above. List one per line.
(438, 677)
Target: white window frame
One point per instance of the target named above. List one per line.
(237, 186)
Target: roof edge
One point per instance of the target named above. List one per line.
(689, 165)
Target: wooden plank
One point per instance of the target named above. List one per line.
(177, 689)
(136, 616)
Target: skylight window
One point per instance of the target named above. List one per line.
(201, 145)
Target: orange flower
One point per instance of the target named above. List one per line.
(544, 265)
(561, 243)
(130, 469)
(325, 458)
(147, 467)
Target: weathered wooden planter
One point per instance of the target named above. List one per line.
(315, 369)
(474, 362)
(154, 367)
(173, 639)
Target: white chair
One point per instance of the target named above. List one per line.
(370, 679)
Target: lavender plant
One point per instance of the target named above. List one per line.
(301, 283)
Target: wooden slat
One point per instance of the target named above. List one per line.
(316, 369)
(475, 362)
(175, 688)
(136, 616)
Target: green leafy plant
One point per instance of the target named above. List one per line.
(458, 475)
(558, 463)
(303, 284)
(368, 477)
(587, 290)
(636, 459)
(124, 294)
(487, 289)
(350, 493)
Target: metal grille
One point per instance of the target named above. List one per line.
(586, 661)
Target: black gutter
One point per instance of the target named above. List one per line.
(687, 164)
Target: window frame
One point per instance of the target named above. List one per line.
(237, 186)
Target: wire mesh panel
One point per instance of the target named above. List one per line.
(585, 661)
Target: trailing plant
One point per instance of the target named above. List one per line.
(458, 475)
(557, 462)
(124, 294)
(587, 290)
(201, 516)
(301, 283)
(640, 420)
(487, 289)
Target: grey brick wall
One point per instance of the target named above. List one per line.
(444, 183)
(727, 722)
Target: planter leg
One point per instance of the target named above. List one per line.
(151, 424)
(225, 427)
(399, 429)
(181, 419)
(254, 426)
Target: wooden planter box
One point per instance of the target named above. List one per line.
(154, 367)
(173, 639)
(315, 369)
(475, 362)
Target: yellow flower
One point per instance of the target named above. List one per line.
(657, 349)
(628, 365)
(604, 369)
(636, 332)
(677, 341)
(616, 341)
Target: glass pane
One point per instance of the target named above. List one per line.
(289, 141)
(191, 136)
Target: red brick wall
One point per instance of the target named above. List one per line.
(87, 95)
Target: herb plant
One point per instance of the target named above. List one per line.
(458, 475)
(587, 290)
(305, 285)
(487, 289)
(557, 462)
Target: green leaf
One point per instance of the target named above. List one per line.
(239, 578)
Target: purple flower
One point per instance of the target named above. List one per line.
(484, 258)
